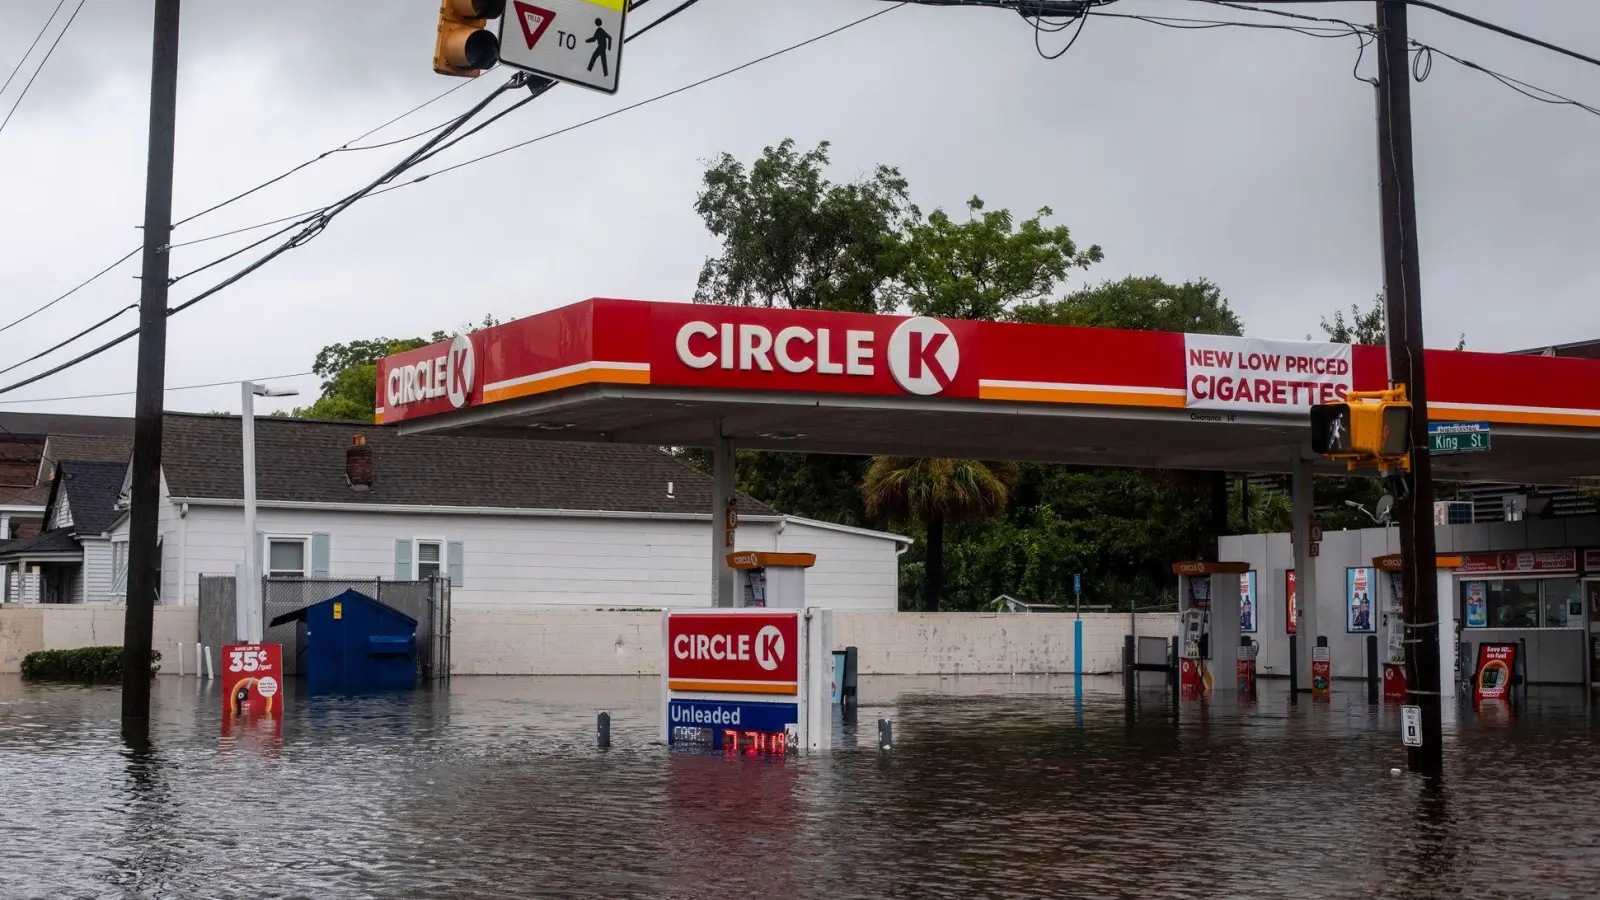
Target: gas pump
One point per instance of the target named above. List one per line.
(1208, 621)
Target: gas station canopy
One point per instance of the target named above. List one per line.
(677, 374)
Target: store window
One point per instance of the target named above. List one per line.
(1563, 604)
(1522, 603)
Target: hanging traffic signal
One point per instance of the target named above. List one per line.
(1369, 428)
(464, 46)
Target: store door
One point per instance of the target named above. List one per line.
(1591, 592)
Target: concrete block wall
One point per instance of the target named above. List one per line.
(27, 628)
(555, 642)
(598, 642)
(986, 643)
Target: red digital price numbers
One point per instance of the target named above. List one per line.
(755, 742)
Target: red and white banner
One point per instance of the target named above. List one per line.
(1257, 375)
(1521, 561)
(737, 653)
(1591, 562)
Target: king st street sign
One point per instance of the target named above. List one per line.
(1458, 437)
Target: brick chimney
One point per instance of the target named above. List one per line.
(358, 464)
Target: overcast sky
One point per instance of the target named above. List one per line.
(1242, 156)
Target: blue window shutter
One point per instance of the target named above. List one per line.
(320, 549)
(456, 553)
(402, 559)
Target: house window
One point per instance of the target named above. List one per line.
(286, 557)
(429, 559)
(119, 568)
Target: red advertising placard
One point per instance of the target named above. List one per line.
(740, 653)
(1591, 562)
(1521, 561)
(252, 680)
(1496, 663)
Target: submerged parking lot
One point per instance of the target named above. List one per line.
(493, 787)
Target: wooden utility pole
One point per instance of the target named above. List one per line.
(143, 559)
(1402, 282)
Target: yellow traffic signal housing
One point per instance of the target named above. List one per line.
(464, 47)
(1369, 428)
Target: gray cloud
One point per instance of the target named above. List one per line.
(1243, 156)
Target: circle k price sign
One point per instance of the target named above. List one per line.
(734, 653)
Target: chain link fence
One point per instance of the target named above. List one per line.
(427, 601)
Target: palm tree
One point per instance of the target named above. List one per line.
(902, 489)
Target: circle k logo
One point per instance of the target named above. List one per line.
(923, 356)
(461, 367)
(769, 647)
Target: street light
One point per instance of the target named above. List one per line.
(249, 616)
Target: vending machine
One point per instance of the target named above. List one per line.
(1208, 623)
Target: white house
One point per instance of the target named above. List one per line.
(72, 559)
(512, 523)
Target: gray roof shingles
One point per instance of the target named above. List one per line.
(300, 460)
(92, 488)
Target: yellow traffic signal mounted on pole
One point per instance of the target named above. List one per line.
(1370, 428)
(464, 47)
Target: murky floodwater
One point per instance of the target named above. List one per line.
(996, 787)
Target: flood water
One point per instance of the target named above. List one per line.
(996, 787)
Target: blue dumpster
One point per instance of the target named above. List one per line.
(353, 642)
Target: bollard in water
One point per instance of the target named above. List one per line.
(603, 729)
(885, 735)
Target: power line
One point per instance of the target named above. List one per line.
(186, 387)
(29, 52)
(345, 147)
(1454, 14)
(348, 146)
(647, 101)
(327, 213)
(59, 35)
(50, 350)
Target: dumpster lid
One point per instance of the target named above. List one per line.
(349, 596)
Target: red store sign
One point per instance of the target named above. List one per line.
(1521, 561)
(737, 653)
(1591, 562)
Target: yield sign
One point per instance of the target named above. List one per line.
(534, 20)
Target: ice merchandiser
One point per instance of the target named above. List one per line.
(1208, 623)
(770, 580)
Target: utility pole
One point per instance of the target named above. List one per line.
(1402, 281)
(143, 563)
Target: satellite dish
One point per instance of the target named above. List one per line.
(1385, 508)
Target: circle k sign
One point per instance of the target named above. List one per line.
(734, 652)
(923, 356)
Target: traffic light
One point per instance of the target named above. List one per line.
(1369, 428)
(464, 47)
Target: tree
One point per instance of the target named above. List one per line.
(980, 268)
(1142, 303)
(349, 374)
(1362, 327)
(790, 237)
(933, 492)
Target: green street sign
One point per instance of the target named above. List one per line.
(1458, 437)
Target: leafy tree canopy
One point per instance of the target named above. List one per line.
(793, 238)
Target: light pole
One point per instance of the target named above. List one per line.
(250, 618)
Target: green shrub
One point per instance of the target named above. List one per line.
(82, 664)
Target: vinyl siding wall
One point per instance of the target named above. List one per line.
(96, 570)
(520, 562)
